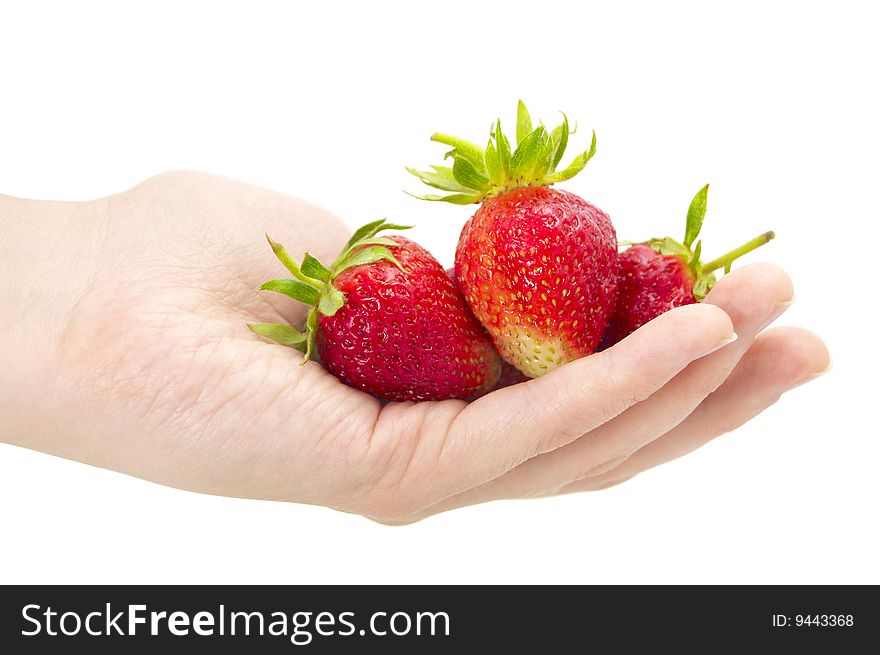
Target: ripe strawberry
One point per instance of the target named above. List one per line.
(387, 319)
(660, 274)
(537, 266)
(509, 374)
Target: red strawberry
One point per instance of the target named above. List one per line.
(661, 274)
(538, 266)
(387, 319)
(649, 284)
(509, 375)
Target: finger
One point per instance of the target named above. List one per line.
(752, 297)
(780, 360)
(501, 430)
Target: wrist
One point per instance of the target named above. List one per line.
(45, 263)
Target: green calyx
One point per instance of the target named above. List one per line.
(477, 173)
(312, 282)
(691, 248)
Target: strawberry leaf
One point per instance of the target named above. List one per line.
(463, 150)
(331, 301)
(285, 258)
(442, 178)
(367, 255)
(379, 241)
(669, 246)
(575, 167)
(544, 156)
(364, 232)
(286, 335)
(295, 289)
(454, 198)
(523, 123)
(695, 258)
(468, 176)
(560, 141)
(696, 214)
(314, 269)
(528, 155)
(703, 286)
(503, 146)
(312, 333)
(492, 164)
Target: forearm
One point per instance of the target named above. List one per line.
(47, 255)
(89, 291)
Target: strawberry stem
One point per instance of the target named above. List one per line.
(726, 259)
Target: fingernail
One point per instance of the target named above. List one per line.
(724, 342)
(777, 311)
(813, 376)
(823, 372)
(788, 303)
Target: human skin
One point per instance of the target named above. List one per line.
(124, 345)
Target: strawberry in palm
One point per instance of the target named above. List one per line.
(386, 318)
(660, 274)
(538, 266)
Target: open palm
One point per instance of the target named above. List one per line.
(162, 380)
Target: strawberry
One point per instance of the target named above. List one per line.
(537, 266)
(660, 274)
(509, 375)
(386, 319)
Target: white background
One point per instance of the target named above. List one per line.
(774, 103)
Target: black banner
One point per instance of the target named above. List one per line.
(432, 619)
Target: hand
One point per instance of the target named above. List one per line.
(125, 347)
